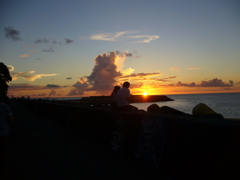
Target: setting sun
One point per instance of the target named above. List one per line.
(145, 94)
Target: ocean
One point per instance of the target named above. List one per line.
(227, 104)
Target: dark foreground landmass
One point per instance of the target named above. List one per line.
(42, 149)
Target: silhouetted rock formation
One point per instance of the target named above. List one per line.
(135, 99)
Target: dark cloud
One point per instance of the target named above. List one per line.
(216, 83)
(211, 83)
(43, 40)
(52, 86)
(124, 53)
(68, 78)
(50, 49)
(12, 33)
(38, 59)
(24, 86)
(52, 93)
(185, 84)
(41, 95)
(68, 41)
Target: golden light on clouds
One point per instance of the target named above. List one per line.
(194, 68)
(174, 68)
(24, 55)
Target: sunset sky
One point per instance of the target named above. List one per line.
(61, 48)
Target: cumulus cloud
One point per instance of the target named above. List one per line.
(128, 71)
(12, 33)
(103, 76)
(28, 75)
(50, 49)
(104, 72)
(24, 55)
(79, 88)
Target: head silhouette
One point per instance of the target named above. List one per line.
(116, 88)
(126, 84)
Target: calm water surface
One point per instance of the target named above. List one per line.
(227, 104)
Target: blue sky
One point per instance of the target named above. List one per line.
(183, 41)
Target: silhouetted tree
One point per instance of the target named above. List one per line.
(4, 78)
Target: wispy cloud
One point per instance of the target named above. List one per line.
(106, 37)
(24, 55)
(174, 68)
(120, 35)
(12, 33)
(145, 38)
(28, 75)
(141, 75)
(194, 68)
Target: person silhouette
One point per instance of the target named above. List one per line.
(123, 98)
(113, 103)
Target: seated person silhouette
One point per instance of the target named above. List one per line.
(113, 103)
(123, 98)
